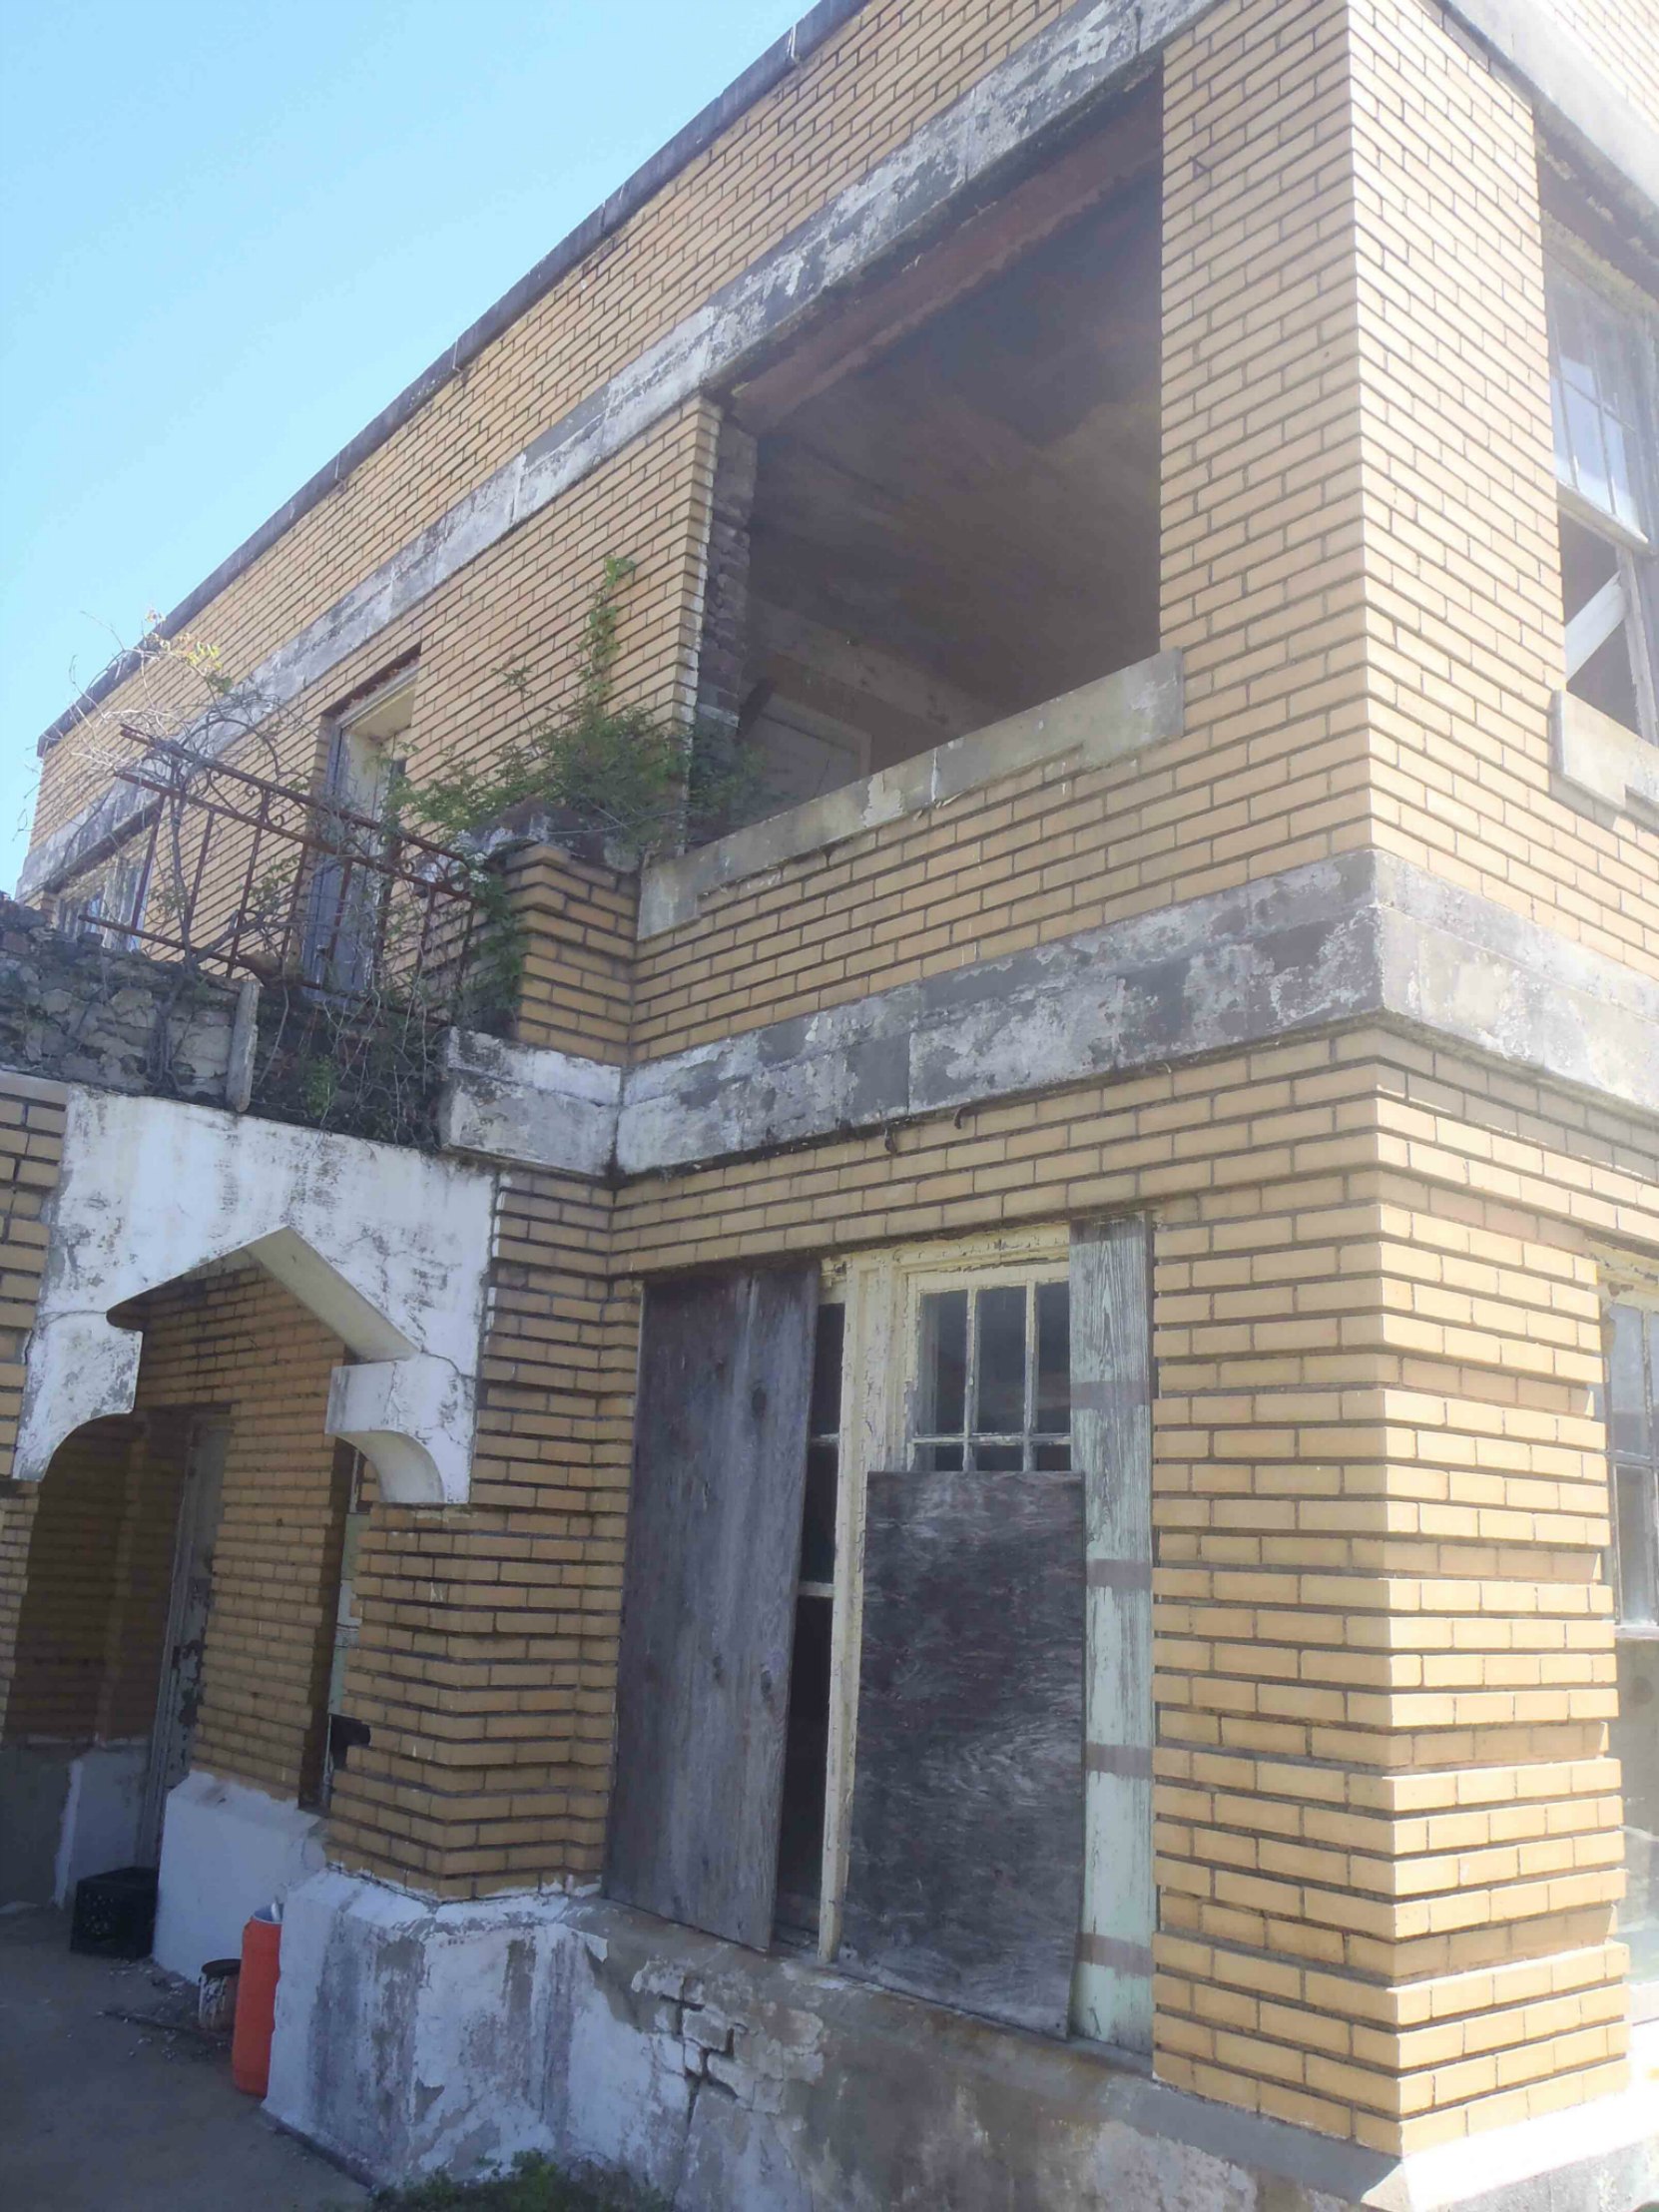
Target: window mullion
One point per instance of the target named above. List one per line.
(1030, 1411)
(1601, 616)
(1640, 601)
(971, 1395)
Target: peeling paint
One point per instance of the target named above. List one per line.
(387, 1246)
(729, 2081)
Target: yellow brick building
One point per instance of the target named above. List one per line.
(978, 1522)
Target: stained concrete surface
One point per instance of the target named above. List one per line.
(99, 2115)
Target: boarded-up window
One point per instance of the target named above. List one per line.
(709, 1598)
(964, 1874)
(964, 1880)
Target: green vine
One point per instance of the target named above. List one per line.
(625, 780)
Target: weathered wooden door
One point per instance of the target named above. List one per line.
(713, 1536)
(187, 1627)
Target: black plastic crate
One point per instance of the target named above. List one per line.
(115, 1913)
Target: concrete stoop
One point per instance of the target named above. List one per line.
(413, 2039)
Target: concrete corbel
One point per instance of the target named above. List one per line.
(93, 1367)
(404, 1416)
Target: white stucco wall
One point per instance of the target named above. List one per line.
(227, 1850)
(100, 1814)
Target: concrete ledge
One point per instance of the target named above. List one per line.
(1362, 937)
(528, 1103)
(1603, 759)
(413, 2037)
(1575, 92)
(1120, 714)
(227, 1851)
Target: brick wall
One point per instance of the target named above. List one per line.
(235, 1341)
(96, 1575)
(30, 1148)
(521, 606)
(1620, 34)
(73, 1565)
(1387, 1826)
(577, 921)
(486, 1664)
(1261, 576)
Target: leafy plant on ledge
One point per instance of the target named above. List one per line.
(615, 782)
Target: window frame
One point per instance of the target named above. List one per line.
(1635, 1289)
(1645, 1302)
(357, 768)
(880, 1375)
(121, 883)
(1629, 601)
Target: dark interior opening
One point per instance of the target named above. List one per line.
(1608, 680)
(806, 1737)
(960, 521)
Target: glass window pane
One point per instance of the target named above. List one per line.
(818, 1520)
(826, 1417)
(998, 1459)
(1595, 393)
(1563, 452)
(942, 1383)
(1589, 462)
(1052, 1459)
(1628, 1416)
(999, 1407)
(1054, 1357)
(938, 1459)
(1620, 475)
(1638, 1547)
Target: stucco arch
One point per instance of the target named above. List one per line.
(386, 1245)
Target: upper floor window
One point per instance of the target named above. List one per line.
(1596, 378)
(345, 914)
(1607, 452)
(109, 904)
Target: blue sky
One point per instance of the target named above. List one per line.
(232, 234)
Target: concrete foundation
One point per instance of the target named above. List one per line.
(65, 1810)
(413, 2037)
(227, 1850)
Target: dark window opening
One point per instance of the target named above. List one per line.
(807, 1737)
(1004, 1353)
(958, 522)
(1591, 575)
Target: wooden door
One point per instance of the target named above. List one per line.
(187, 1627)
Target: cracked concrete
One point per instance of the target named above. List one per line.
(414, 2037)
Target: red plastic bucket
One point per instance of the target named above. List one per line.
(261, 1943)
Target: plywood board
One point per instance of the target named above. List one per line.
(965, 1875)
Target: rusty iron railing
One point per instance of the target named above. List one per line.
(238, 873)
